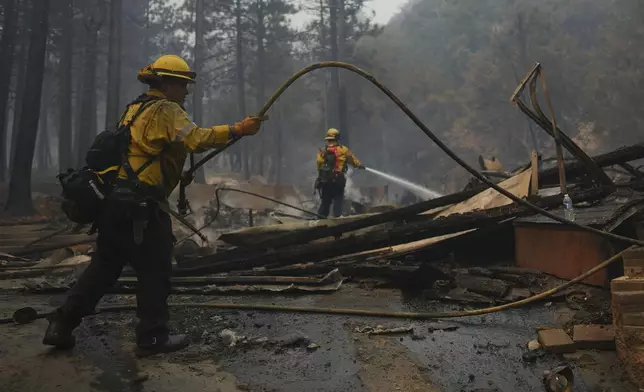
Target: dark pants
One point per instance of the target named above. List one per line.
(331, 193)
(152, 261)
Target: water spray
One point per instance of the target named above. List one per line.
(417, 189)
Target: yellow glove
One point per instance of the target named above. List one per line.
(248, 126)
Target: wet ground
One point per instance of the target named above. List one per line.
(480, 354)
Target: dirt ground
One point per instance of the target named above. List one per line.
(297, 352)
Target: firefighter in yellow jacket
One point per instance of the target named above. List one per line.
(332, 164)
(161, 137)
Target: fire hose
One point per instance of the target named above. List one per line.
(29, 314)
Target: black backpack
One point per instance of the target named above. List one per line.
(85, 190)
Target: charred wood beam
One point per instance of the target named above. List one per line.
(317, 268)
(573, 169)
(209, 280)
(633, 171)
(448, 246)
(322, 251)
(576, 169)
(224, 262)
(399, 214)
(307, 235)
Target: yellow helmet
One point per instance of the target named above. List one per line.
(168, 65)
(332, 134)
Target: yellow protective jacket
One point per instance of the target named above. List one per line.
(343, 156)
(163, 130)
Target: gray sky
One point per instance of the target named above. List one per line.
(384, 10)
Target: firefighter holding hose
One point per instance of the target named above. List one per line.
(161, 136)
(332, 165)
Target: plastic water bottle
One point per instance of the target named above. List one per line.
(569, 210)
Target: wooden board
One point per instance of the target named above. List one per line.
(518, 185)
(560, 251)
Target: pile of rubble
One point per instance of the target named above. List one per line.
(254, 248)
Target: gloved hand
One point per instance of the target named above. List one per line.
(248, 126)
(361, 167)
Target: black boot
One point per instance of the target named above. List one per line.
(59, 334)
(171, 344)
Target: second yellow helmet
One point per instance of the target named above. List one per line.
(332, 134)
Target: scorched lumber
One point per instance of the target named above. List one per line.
(616, 157)
(223, 262)
(399, 214)
(625, 154)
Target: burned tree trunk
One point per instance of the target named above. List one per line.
(65, 159)
(77, 113)
(114, 65)
(7, 46)
(260, 34)
(197, 106)
(277, 155)
(42, 140)
(19, 200)
(147, 43)
(87, 128)
(335, 76)
(343, 121)
(21, 64)
(241, 81)
(322, 56)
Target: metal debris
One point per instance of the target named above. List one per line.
(559, 379)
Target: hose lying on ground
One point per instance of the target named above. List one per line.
(31, 315)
